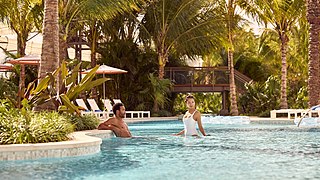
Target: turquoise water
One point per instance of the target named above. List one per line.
(247, 151)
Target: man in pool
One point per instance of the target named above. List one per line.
(116, 123)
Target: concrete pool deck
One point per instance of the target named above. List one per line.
(87, 142)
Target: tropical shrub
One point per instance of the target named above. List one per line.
(86, 122)
(159, 91)
(205, 103)
(46, 89)
(25, 126)
(7, 88)
(301, 102)
(260, 98)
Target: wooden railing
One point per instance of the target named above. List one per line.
(202, 79)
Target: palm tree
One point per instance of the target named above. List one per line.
(22, 17)
(232, 21)
(282, 16)
(50, 44)
(313, 10)
(185, 27)
(182, 27)
(87, 16)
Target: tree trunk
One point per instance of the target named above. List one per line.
(162, 58)
(233, 93)
(50, 46)
(162, 62)
(284, 46)
(313, 10)
(93, 48)
(21, 51)
(21, 84)
(21, 45)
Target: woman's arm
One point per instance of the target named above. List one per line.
(197, 117)
(180, 133)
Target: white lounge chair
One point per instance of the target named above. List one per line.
(107, 105)
(82, 104)
(134, 114)
(117, 101)
(295, 113)
(95, 108)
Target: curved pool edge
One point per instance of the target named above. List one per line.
(81, 143)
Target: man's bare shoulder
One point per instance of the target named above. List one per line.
(110, 120)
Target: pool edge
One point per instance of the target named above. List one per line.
(81, 143)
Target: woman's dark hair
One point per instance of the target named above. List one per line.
(116, 107)
(189, 97)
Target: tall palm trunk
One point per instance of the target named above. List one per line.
(284, 47)
(50, 46)
(21, 51)
(162, 51)
(93, 48)
(233, 95)
(162, 60)
(162, 63)
(21, 44)
(313, 10)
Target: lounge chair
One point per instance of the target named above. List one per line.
(95, 108)
(107, 105)
(85, 109)
(294, 113)
(134, 114)
(117, 101)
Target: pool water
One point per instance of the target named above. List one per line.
(243, 151)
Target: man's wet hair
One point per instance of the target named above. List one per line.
(116, 107)
(189, 97)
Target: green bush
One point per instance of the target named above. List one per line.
(164, 113)
(7, 88)
(18, 127)
(86, 122)
(260, 98)
(205, 103)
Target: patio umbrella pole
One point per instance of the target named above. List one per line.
(104, 97)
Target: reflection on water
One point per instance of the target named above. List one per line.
(225, 119)
(233, 151)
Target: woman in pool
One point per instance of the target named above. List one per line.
(191, 118)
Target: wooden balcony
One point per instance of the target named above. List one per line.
(203, 79)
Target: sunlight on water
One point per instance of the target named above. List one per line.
(226, 119)
(233, 151)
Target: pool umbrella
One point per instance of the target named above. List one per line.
(5, 67)
(26, 60)
(103, 69)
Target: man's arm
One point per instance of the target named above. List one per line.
(107, 125)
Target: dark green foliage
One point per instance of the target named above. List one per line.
(162, 113)
(86, 122)
(7, 88)
(260, 98)
(302, 98)
(205, 103)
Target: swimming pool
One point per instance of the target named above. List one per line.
(243, 151)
